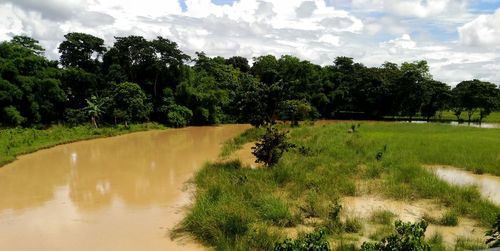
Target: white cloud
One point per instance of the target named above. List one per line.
(372, 31)
(484, 30)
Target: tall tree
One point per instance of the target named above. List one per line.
(82, 50)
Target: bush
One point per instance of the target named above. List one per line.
(408, 237)
(13, 116)
(271, 147)
(314, 241)
(179, 116)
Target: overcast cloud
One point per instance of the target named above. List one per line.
(459, 38)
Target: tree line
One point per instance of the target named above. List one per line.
(138, 80)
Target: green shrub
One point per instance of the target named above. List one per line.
(271, 146)
(409, 236)
(314, 241)
(178, 116)
(13, 116)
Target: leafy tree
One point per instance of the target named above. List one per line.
(271, 147)
(178, 115)
(476, 95)
(81, 50)
(129, 103)
(295, 110)
(436, 98)
(238, 62)
(408, 237)
(29, 83)
(265, 68)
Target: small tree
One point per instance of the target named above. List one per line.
(494, 234)
(94, 109)
(271, 147)
(409, 237)
(295, 110)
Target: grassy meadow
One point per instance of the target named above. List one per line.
(494, 117)
(239, 208)
(17, 141)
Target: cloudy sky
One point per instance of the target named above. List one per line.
(459, 38)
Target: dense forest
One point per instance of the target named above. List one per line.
(138, 80)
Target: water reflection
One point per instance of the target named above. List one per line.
(455, 123)
(91, 192)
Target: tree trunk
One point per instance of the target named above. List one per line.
(94, 122)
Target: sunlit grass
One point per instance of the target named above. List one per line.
(302, 188)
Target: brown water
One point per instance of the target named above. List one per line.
(488, 185)
(120, 193)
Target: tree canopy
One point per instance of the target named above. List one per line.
(136, 79)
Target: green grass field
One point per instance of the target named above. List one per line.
(17, 141)
(243, 209)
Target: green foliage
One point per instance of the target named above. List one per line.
(409, 236)
(314, 241)
(493, 234)
(179, 116)
(476, 95)
(12, 116)
(129, 103)
(271, 146)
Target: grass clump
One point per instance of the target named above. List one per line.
(464, 243)
(353, 225)
(236, 143)
(383, 217)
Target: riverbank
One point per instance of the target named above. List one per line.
(240, 208)
(19, 141)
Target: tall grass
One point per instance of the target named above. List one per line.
(17, 141)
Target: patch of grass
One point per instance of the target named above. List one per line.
(236, 143)
(449, 219)
(436, 242)
(353, 225)
(381, 232)
(301, 189)
(383, 217)
(18, 141)
(464, 243)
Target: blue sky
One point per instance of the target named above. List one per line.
(459, 38)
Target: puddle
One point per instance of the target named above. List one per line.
(488, 185)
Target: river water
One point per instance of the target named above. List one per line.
(119, 193)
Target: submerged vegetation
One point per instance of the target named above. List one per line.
(238, 208)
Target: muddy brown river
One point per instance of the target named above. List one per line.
(119, 193)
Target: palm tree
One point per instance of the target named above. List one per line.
(93, 109)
